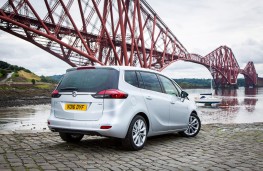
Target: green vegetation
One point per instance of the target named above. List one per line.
(193, 83)
(28, 76)
(33, 81)
(12, 68)
(47, 79)
(3, 73)
(15, 74)
(201, 83)
(51, 79)
(45, 86)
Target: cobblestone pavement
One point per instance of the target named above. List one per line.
(217, 147)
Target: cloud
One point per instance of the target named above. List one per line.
(201, 26)
(182, 69)
(250, 50)
(19, 52)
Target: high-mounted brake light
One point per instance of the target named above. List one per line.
(55, 94)
(81, 68)
(111, 94)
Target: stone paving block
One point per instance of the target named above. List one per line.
(217, 147)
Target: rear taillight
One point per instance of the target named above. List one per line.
(110, 94)
(55, 94)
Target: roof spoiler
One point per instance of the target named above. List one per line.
(206, 94)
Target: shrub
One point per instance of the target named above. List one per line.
(33, 81)
(3, 72)
(15, 74)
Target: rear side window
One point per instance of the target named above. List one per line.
(151, 81)
(90, 80)
(131, 78)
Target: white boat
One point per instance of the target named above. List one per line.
(208, 98)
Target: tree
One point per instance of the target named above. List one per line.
(33, 81)
(3, 72)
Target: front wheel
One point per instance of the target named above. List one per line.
(194, 126)
(68, 137)
(137, 134)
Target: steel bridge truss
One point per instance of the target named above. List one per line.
(90, 32)
(111, 32)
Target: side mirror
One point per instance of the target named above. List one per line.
(184, 94)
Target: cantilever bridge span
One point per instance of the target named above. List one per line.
(111, 32)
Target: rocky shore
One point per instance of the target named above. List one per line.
(24, 94)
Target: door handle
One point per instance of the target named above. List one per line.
(172, 102)
(149, 98)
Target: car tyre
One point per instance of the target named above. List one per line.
(194, 126)
(69, 137)
(137, 134)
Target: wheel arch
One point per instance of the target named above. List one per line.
(146, 119)
(194, 111)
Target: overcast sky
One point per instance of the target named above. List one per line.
(201, 26)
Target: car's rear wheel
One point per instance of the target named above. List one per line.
(194, 126)
(69, 137)
(137, 134)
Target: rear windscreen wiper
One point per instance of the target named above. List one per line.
(69, 88)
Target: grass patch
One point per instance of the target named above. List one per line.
(28, 76)
(4, 87)
(44, 86)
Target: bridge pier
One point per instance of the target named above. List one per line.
(226, 86)
(259, 82)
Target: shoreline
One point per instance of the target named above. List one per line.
(16, 95)
(19, 102)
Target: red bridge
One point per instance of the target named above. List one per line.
(111, 32)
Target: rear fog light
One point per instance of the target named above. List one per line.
(105, 127)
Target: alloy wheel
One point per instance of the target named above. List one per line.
(139, 133)
(193, 126)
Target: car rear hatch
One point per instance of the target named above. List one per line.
(75, 99)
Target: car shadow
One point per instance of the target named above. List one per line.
(96, 143)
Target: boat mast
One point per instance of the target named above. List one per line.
(211, 86)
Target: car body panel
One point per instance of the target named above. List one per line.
(165, 113)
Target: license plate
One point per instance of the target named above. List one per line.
(82, 107)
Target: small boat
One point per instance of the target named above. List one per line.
(207, 99)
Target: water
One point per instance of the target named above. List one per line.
(238, 106)
(24, 118)
(243, 105)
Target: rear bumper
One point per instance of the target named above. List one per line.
(74, 131)
(117, 130)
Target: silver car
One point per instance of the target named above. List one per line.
(127, 103)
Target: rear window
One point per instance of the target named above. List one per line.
(90, 80)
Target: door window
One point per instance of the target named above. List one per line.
(151, 81)
(168, 86)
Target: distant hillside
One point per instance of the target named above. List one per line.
(51, 79)
(193, 83)
(11, 68)
(19, 74)
(56, 78)
(28, 76)
(201, 83)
